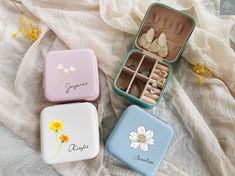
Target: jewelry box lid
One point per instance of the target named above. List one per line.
(140, 140)
(174, 25)
(71, 75)
(69, 132)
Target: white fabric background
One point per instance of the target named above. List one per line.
(203, 116)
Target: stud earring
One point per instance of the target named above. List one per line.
(146, 72)
(164, 73)
(154, 84)
(131, 66)
(161, 83)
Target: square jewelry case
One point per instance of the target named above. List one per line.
(69, 132)
(71, 75)
(140, 140)
(161, 39)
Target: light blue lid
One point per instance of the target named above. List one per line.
(140, 140)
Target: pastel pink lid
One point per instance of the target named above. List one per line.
(71, 75)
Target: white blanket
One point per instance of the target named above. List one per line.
(202, 115)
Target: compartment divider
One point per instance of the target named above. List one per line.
(142, 76)
(140, 63)
(135, 72)
(128, 69)
(124, 77)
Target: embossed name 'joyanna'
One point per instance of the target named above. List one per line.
(69, 87)
(75, 147)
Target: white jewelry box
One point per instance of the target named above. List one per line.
(69, 132)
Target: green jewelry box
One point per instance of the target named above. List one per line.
(160, 40)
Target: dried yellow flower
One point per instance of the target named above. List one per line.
(14, 35)
(27, 28)
(201, 79)
(202, 71)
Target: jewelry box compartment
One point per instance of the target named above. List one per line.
(175, 25)
(137, 86)
(134, 60)
(146, 66)
(147, 82)
(160, 40)
(124, 79)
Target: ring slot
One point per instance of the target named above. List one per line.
(148, 100)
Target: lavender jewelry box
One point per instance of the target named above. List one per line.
(71, 75)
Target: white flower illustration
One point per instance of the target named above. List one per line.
(60, 66)
(141, 138)
(66, 70)
(72, 68)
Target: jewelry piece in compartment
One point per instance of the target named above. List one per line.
(131, 66)
(150, 35)
(155, 47)
(157, 71)
(159, 46)
(164, 73)
(162, 39)
(147, 45)
(163, 51)
(154, 84)
(153, 91)
(161, 83)
(123, 86)
(142, 40)
(146, 72)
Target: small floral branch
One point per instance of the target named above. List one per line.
(27, 27)
(202, 72)
(65, 72)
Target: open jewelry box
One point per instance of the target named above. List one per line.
(146, 70)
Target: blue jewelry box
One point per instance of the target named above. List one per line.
(140, 140)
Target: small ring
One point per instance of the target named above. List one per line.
(164, 73)
(161, 83)
(153, 90)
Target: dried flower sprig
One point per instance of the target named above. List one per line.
(202, 72)
(28, 29)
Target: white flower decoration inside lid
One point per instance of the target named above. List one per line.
(141, 138)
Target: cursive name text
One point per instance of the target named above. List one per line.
(75, 147)
(139, 158)
(69, 87)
